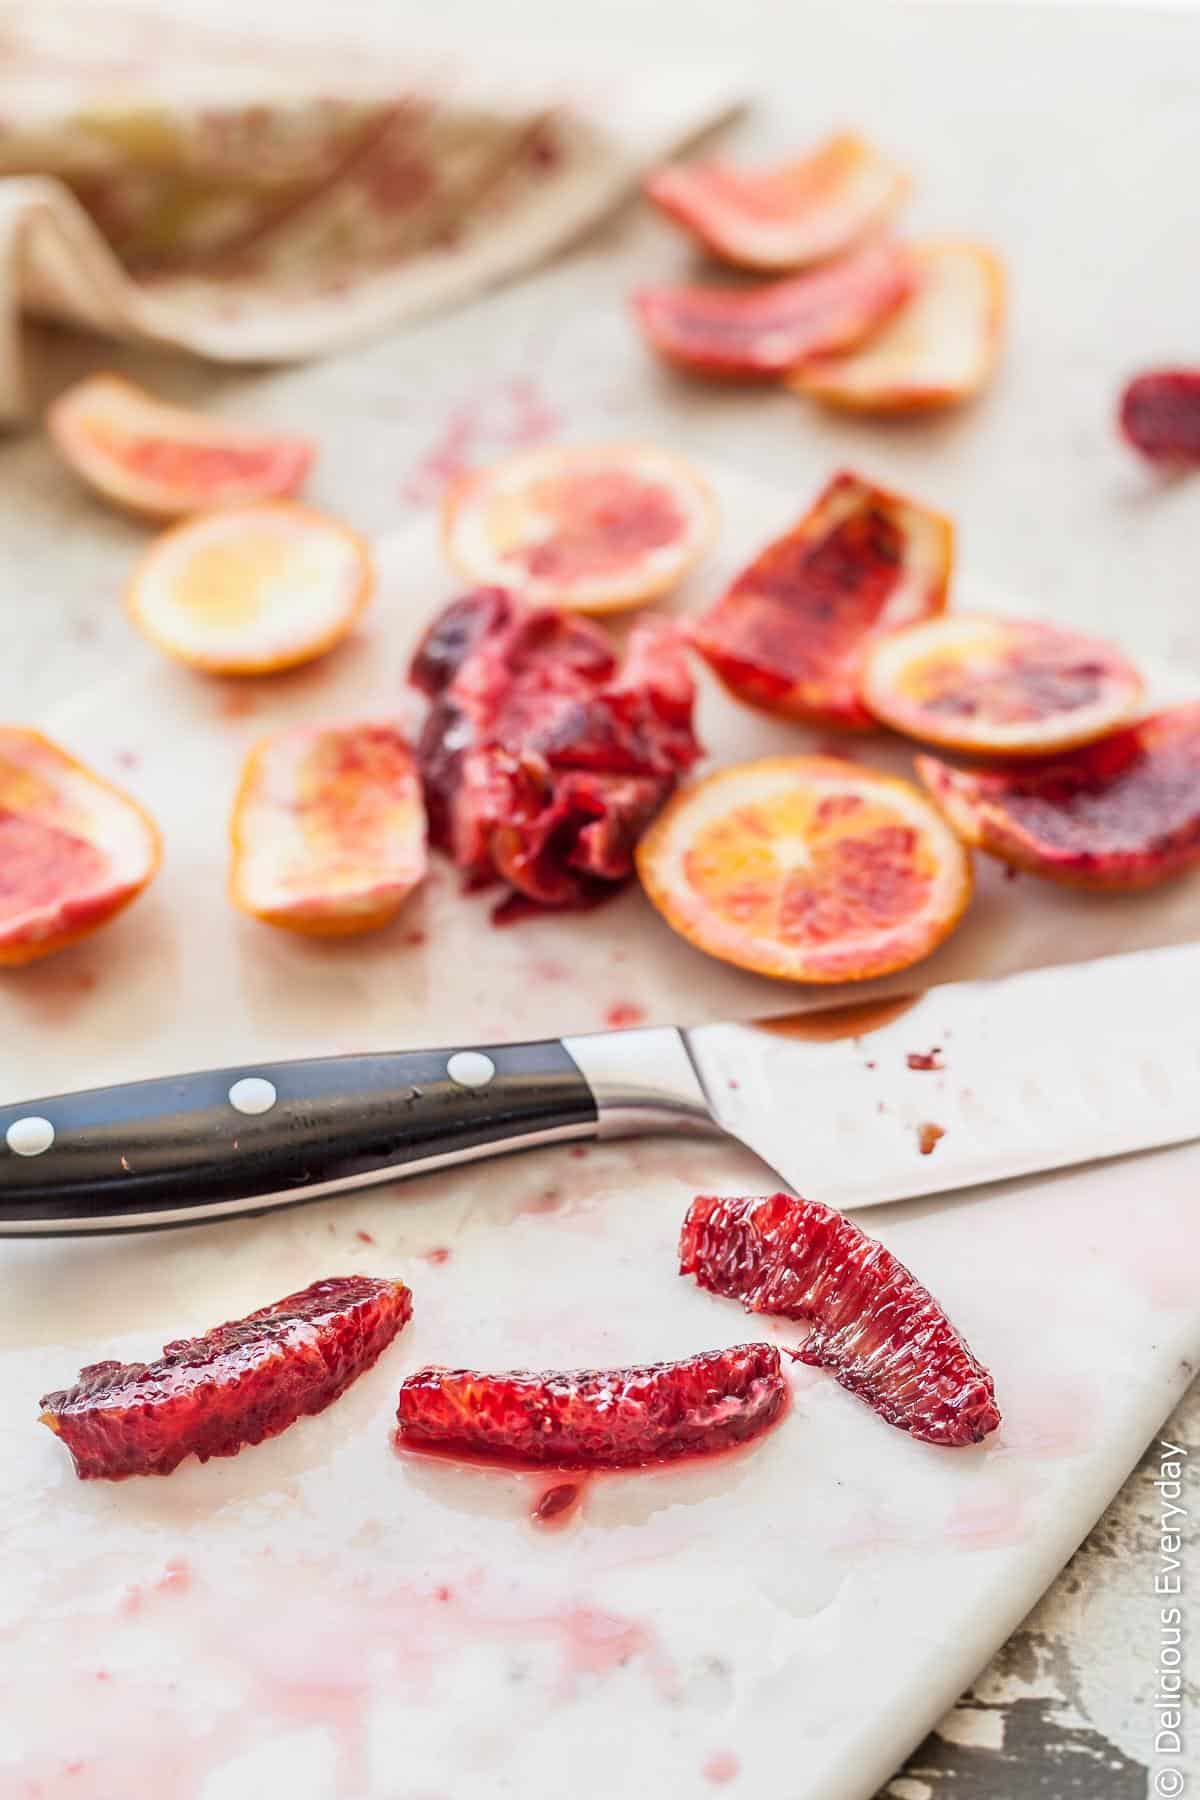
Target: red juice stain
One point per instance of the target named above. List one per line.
(176, 1578)
(437, 1256)
(722, 1766)
(127, 759)
(925, 1059)
(556, 1504)
(448, 457)
(443, 1595)
(532, 418)
(928, 1137)
(364, 1237)
(549, 1200)
(624, 1013)
(579, 1152)
(415, 937)
(236, 703)
(547, 969)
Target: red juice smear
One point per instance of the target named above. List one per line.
(557, 1504)
(624, 1013)
(722, 1766)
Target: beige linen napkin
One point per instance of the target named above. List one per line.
(251, 201)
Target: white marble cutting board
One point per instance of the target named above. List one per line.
(320, 1618)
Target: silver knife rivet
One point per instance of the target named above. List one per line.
(470, 1068)
(29, 1137)
(252, 1095)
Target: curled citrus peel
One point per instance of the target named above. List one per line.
(996, 686)
(783, 218)
(74, 850)
(763, 332)
(806, 868)
(791, 633)
(937, 349)
(328, 829)
(166, 461)
(593, 528)
(251, 590)
(1122, 813)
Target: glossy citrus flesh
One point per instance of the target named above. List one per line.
(251, 590)
(806, 868)
(166, 461)
(588, 527)
(1120, 813)
(328, 829)
(998, 686)
(791, 633)
(74, 850)
(802, 212)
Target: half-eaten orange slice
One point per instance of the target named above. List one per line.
(591, 527)
(806, 868)
(783, 218)
(791, 633)
(74, 849)
(995, 686)
(166, 461)
(328, 829)
(251, 590)
(938, 349)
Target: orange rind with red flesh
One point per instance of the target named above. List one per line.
(790, 635)
(938, 349)
(994, 686)
(328, 829)
(1122, 813)
(251, 590)
(165, 462)
(593, 528)
(806, 868)
(763, 332)
(74, 850)
(783, 218)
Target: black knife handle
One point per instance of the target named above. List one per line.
(185, 1148)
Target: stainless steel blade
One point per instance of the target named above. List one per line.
(1039, 1070)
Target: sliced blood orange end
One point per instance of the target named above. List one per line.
(881, 1333)
(761, 333)
(1120, 813)
(593, 528)
(165, 461)
(1160, 416)
(238, 1384)
(783, 218)
(806, 868)
(252, 589)
(998, 686)
(791, 633)
(596, 1418)
(938, 349)
(328, 829)
(74, 850)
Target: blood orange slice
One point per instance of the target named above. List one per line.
(596, 1418)
(251, 590)
(806, 868)
(791, 633)
(238, 1384)
(1160, 416)
(938, 349)
(164, 461)
(783, 218)
(762, 332)
(328, 829)
(588, 527)
(875, 1327)
(998, 686)
(1120, 813)
(74, 850)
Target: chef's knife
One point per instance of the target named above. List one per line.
(962, 1084)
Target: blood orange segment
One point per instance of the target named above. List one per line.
(328, 829)
(875, 1327)
(791, 633)
(762, 332)
(802, 212)
(74, 850)
(806, 868)
(999, 686)
(1160, 416)
(938, 349)
(589, 527)
(238, 1384)
(596, 1418)
(1120, 813)
(252, 589)
(165, 461)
